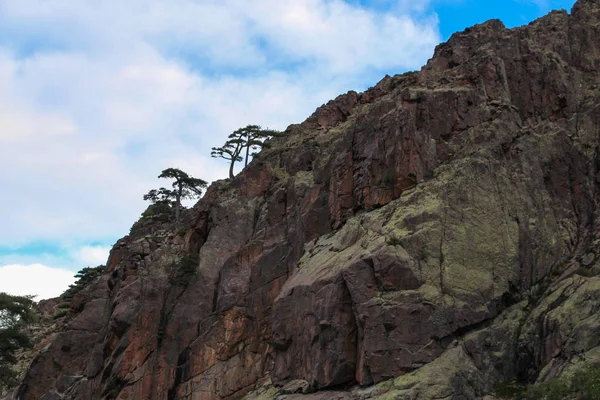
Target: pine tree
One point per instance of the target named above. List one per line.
(184, 187)
(84, 277)
(15, 313)
(162, 195)
(230, 151)
(243, 140)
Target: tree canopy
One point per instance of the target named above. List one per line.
(15, 313)
(241, 141)
(184, 187)
(162, 195)
(230, 151)
(84, 276)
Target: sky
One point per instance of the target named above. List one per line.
(97, 97)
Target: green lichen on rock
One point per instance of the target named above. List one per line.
(451, 375)
(582, 383)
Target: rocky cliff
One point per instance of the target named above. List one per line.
(430, 238)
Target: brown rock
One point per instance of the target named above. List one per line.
(388, 237)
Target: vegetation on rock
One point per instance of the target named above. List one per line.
(84, 277)
(582, 384)
(15, 313)
(250, 137)
(184, 269)
(184, 187)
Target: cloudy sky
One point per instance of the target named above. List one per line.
(97, 97)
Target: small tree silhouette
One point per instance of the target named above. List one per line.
(251, 137)
(184, 187)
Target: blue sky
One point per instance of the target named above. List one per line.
(96, 98)
(460, 14)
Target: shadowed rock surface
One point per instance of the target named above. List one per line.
(427, 239)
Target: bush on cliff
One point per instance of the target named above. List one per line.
(583, 384)
(184, 187)
(84, 276)
(184, 269)
(15, 313)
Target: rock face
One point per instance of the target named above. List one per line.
(426, 239)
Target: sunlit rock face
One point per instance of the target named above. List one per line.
(426, 239)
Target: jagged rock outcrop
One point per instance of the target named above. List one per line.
(426, 239)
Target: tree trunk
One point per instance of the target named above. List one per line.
(247, 152)
(178, 202)
(231, 169)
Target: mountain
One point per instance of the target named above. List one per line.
(435, 237)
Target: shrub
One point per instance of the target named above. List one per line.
(584, 272)
(157, 209)
(423, 253)
(554, 389)
(184, 269)
(389, 178)
(15, 313)
(160, 332)
(84, 276)
(60, 314)
(510, 390)
(393, 240)
(188, 264)
(586, 382)
(583, 384)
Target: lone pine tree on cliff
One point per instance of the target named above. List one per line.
(251, 137)
(184, 187)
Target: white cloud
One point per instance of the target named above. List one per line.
(34, 279)
(96, 98)
(91, 256)
(69, 257)
(17, 124)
